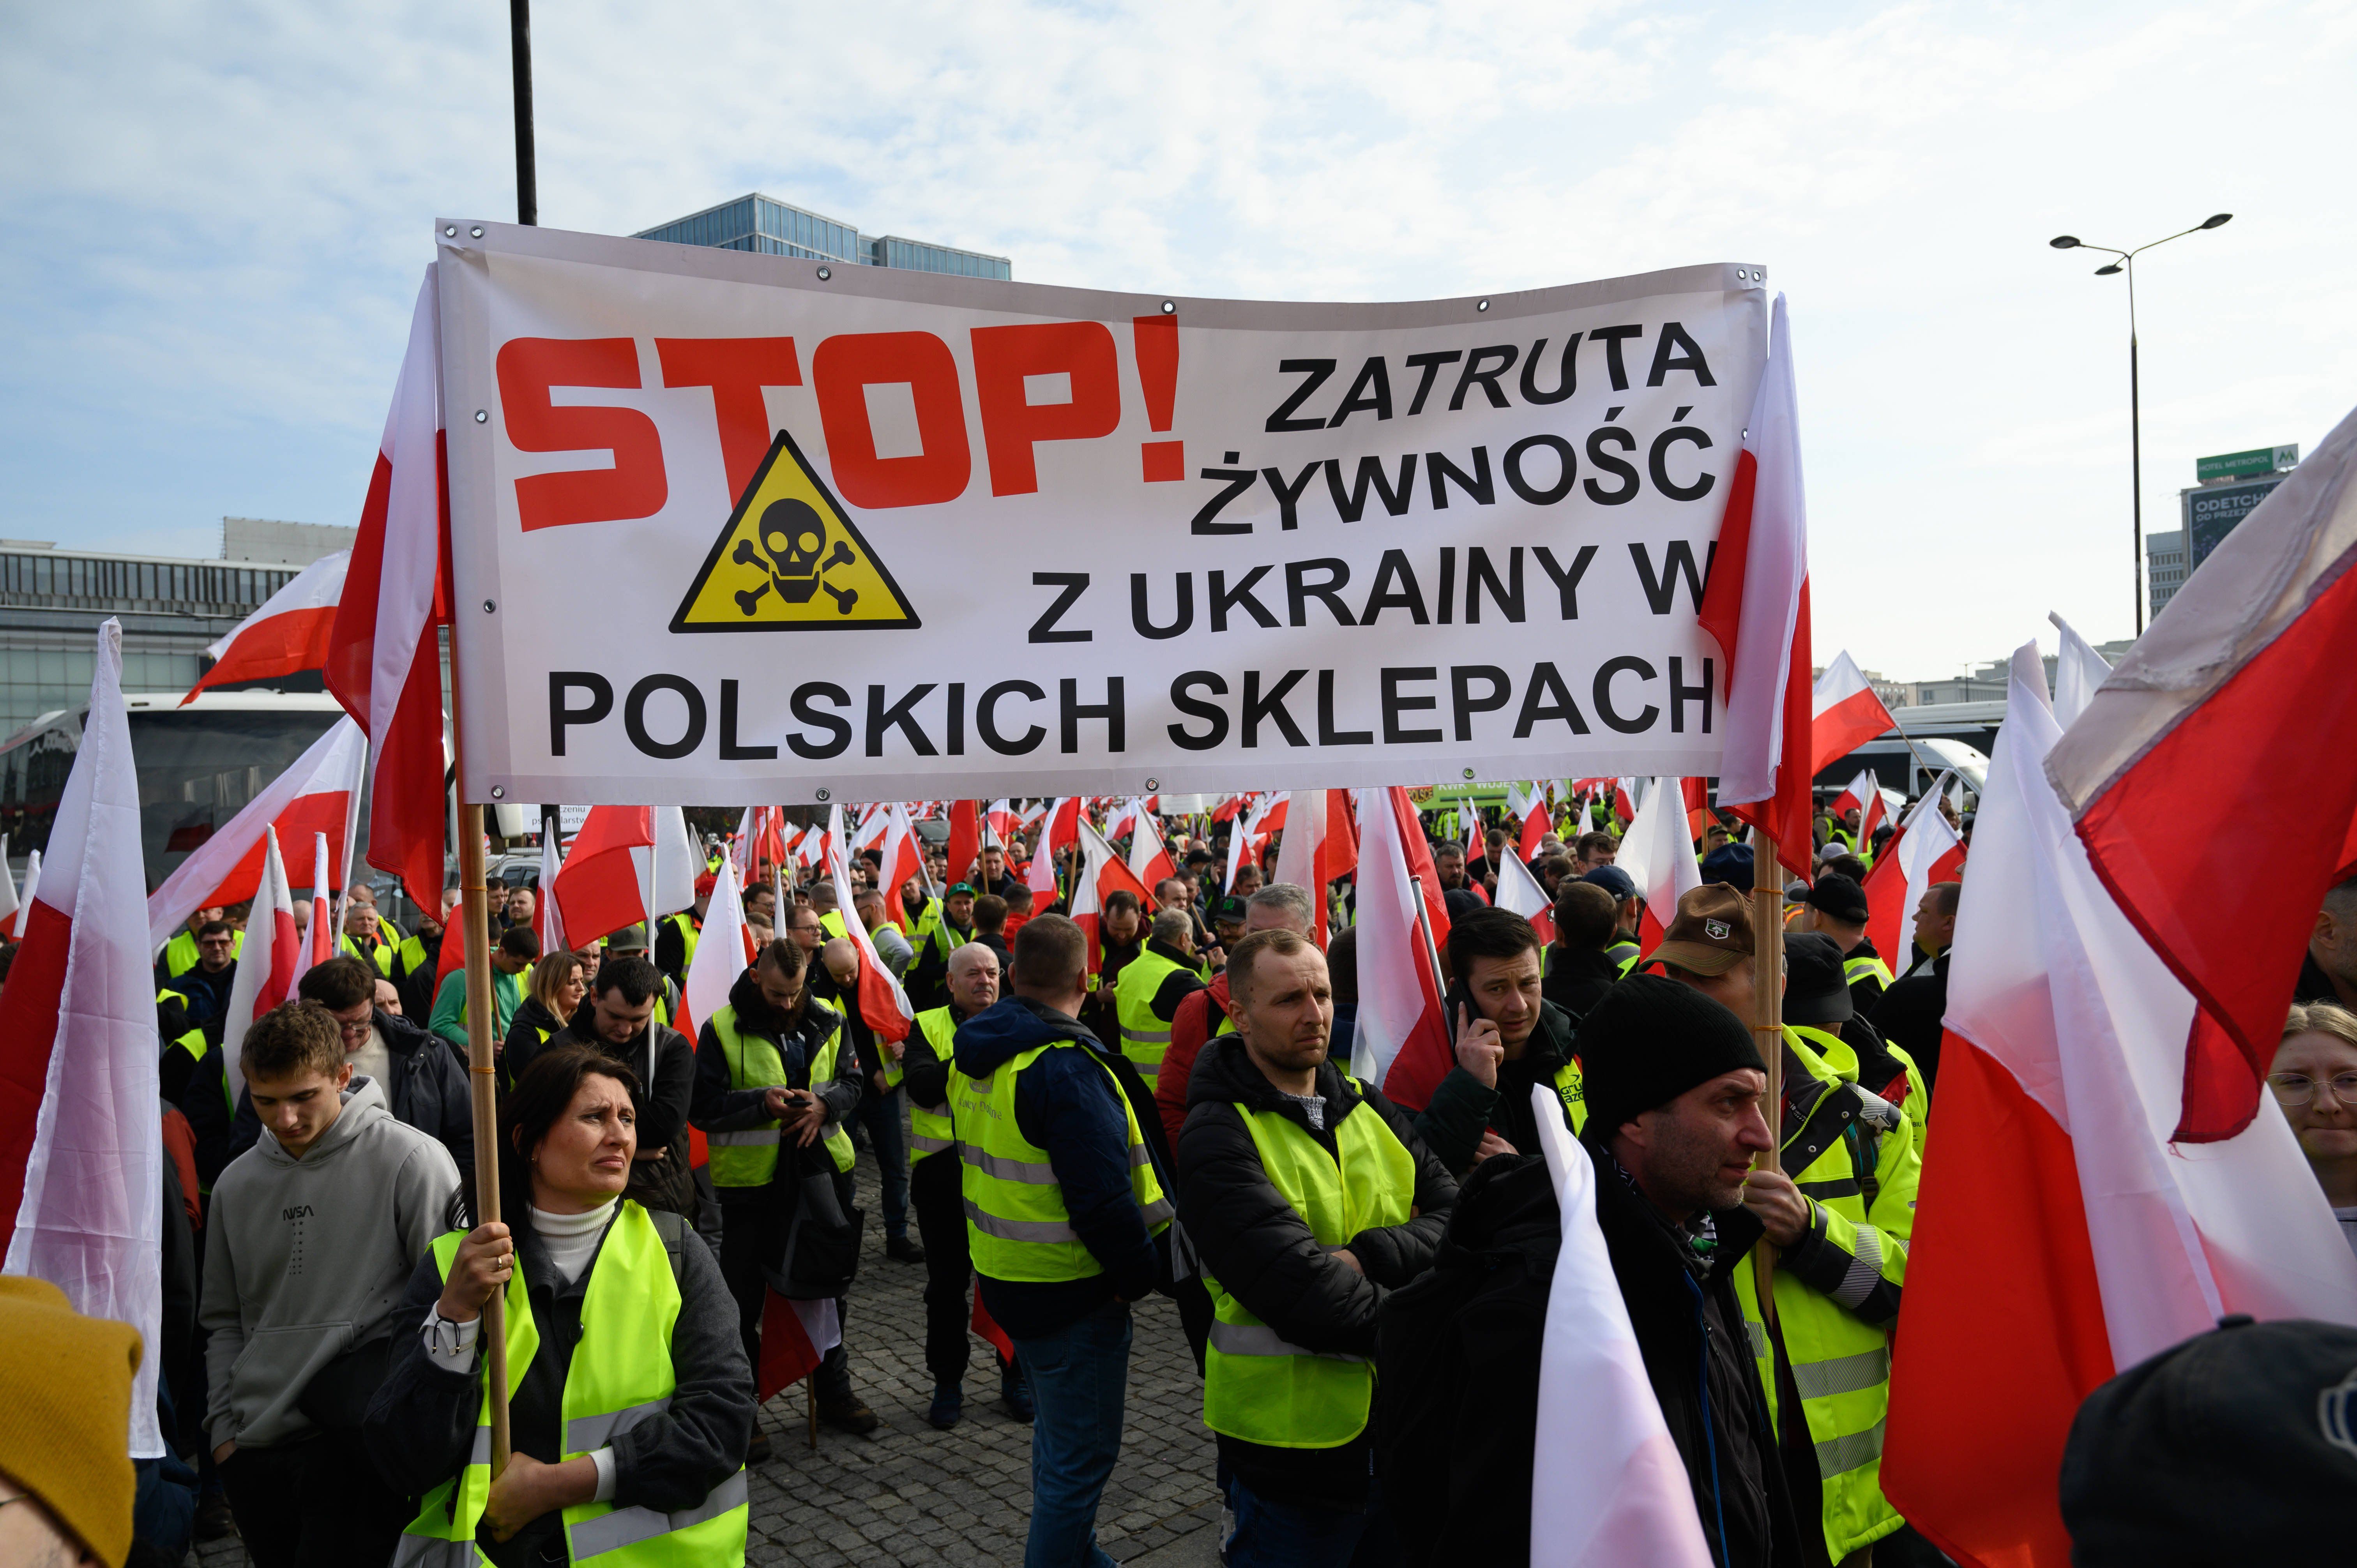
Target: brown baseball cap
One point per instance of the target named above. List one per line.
(1711, 933)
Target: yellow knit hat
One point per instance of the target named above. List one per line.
(65, 1412)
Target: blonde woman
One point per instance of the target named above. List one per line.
(2315, 1081)
(558, 984)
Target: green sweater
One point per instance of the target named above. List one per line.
(449, 1019)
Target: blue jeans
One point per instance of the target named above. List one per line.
(880, 1115)
(1078, 1376)
(1296, 1535)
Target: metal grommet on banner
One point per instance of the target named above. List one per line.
(482, 416)
(823, 795)
(825, 274)
(1170, 308)
(498, 793)
(1482, 305)
(1152, 785)
(491, 608)
(476, 233)
(1468, 773)
(451, 232)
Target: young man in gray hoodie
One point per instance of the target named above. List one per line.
(315, 1233)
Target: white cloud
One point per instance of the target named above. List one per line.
(214, 219)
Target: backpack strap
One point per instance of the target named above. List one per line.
(672, 1229)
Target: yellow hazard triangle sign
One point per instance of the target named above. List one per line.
(791, 560)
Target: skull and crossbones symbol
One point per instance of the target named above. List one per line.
(793, 537)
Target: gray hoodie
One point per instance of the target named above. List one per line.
(306, 1258)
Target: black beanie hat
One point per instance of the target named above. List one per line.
(1648, 1040)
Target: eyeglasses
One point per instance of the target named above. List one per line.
(2299, 1089)
(356, 1029)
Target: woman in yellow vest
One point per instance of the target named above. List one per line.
(632, 1402)
(557, 988)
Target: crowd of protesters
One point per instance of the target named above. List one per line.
(1360, 1282)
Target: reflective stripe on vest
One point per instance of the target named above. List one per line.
(930, 1131)
(747, 1157)
(1868, 968)
(1143, 1037)
(1841, 1366)
(1017, 1223)
(1257, 1385)
(377, 957)
(687, 936)
(620, 1373)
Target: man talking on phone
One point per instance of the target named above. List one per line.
(775, 1081)
(1508, 1037)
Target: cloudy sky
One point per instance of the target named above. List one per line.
(212, 219)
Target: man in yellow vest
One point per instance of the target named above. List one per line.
(935, 1188)
(1065, 1182)
(775, 1081)
(1152, 984)
(363, 937)
(1627, 908)
(1508, 1037)
(1307, 1195)
(181, 953)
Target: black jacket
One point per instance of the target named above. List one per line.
(1577, 978)
(1066, 1105)
(421, 1424)
(1690, 1330)
(1909, 1016)
(530, 1024)
(427, 1088)
(1462, 1106)
(1257, 1244)
(665, 1062)
(716, 1107)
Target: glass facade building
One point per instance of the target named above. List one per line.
(767, 226)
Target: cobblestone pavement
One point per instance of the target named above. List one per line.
(909, 1494)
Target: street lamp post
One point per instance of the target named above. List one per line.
(2127, 264)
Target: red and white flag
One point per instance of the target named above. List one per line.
(1249, 835)
(721, 956)
(319, 939)
(1848, 713)
(1149, 857)
(1519, 891)
(2079, 670)
(2236, 707)
(1058, 828)
(1404, 1042)
(1924, 850)
(1659, 858)
(882, 1004)
(1617, 1493)
(1863, 794)
(8, 904)
(964, 847)
(1320, 846)
(15, 928)
(999, 820)
(2107, 1241)
(1102, 874)
(1757, 605)
(266, 968)
(320, 794)
(81, 1146)
(548, 920)
(288, 633)
(904, 859)
(1526, 809)
(616, 874)
(384, 659)
(795, 1337)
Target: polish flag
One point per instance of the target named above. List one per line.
(814, 847)
(81, 1148)
(548, 920)
(1228, 808)
(2078, 671)
(266, 969)
(982, 1323)
(2107, 1241)
(618, 874)
(1526, 807)
(1029, 815)
(318, 943)
(320, 794)
(1519, 891)
(288, 633)
(882, 1004)
(999, 822)
(721, 957)
(1122, 818)
(1404, 1042)
(1102, 874)
(8, 904)
(1848, 712)
(1659, 858)
(1757, 605)
(903, 859)
(1251, 834)
(1149, 857)
(795, 1337)
(1321, 847)
(15, 928)
(1617, 1493)
(2249, 664)
(965, 838)
(760, 843)
(1863, 794)
(1923, 851)
(384, 659)
(1624, 799)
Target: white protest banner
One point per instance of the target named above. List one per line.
(730, 526)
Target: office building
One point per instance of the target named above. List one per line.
(765, 225)
(2165, 568)
(52, 602)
